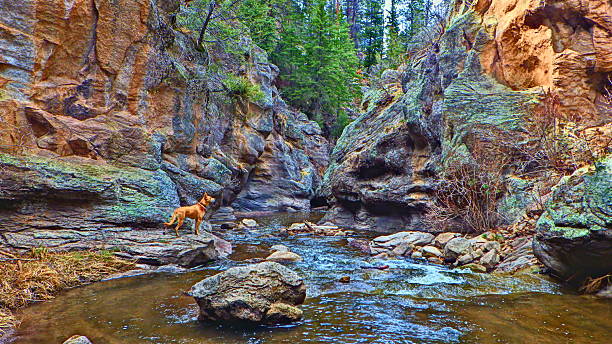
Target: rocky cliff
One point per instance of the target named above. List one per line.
(485, 72)
(110, 119)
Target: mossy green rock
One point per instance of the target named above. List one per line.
(42, 193)
(574, 234)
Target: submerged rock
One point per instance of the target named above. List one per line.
(249, 222)
(279, 248)
(574, 234)
(360, 244)
(261, 293)
(284, 257)
(76, 339)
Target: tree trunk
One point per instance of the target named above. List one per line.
(211, 9)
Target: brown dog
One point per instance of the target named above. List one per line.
(195, 212)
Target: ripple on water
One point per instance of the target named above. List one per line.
(410, 302)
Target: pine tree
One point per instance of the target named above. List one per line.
(260, 17)
(395, 47)
(319, 63)
(372, 31)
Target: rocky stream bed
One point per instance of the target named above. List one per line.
(413, 301)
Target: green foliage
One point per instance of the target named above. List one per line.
(341, 122)
(260, 17)
(395, 48)
(241, 88)
(373, 31)
(318, 60)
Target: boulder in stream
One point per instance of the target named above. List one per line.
(574, 234)
(284, 257)
(264, 293)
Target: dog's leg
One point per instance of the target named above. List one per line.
(197, 225)
(180, 223)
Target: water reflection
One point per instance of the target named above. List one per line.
(411, 302)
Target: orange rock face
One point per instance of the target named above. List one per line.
(116, 82)
(564, 46)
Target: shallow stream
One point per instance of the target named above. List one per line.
(411, 302)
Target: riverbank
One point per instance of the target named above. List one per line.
(39, 275)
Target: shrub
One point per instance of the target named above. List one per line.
(241, 88)
(466, 198)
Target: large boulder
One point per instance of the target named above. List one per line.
(266, 292)
(574, 234)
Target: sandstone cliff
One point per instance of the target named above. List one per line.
(492, 63)
(110, 119)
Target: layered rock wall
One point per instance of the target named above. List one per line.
(494, 61)
(110, 119)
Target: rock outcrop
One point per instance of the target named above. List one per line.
(494, 60)
(110, 119)
(574, 235)
(260, 293)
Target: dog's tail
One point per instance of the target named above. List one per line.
(171, 220)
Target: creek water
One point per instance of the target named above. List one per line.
(411, 302)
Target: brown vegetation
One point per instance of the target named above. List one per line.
(551, 145)
(39, 275)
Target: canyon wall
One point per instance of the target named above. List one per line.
(487, 71)
(110, 119)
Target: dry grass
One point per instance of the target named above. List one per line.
(466, 199)
(39, 275)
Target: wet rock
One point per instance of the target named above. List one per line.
(605, 293)
(443, 238)
(228, 225)
(279, 248)
(520, 256)
(396, 239)
(225, 214)
(402, 249)
(456, 247)
(282, 313)
(490, 259)
(360, 244)
(435, 260)
(76, 339)
(309, 227)
(475, 267)
(345, 279)
(383, 255)
(431, 251)
(249, 222)
(284, 257)
(574, 234)
(153, 247)
(416, 255)
(247, 294)
(464, 259)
